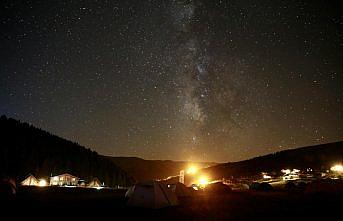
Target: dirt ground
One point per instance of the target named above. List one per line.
(249, 205)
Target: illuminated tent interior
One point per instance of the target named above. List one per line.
(30, 180)
(95, 183)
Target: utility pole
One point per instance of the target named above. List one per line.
(182, 177)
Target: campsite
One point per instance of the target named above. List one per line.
(304, 183)
(176, 110)
(232, 205)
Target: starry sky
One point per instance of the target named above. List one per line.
(178, 79)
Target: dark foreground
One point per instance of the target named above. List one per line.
(85, 203)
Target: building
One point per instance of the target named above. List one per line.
(182, 177)
(65, 179)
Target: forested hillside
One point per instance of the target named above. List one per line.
(320, 157)
(25, 149)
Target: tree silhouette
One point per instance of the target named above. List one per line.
(25, 149)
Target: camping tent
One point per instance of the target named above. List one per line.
(290, 186)
(151, 194)
(260, 186)
(218, 187)
(180, 189)
(94, 183)
(30, 181)
(239, 186)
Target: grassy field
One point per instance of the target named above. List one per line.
(84, 203)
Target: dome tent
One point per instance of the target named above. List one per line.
(180, 189)
(260, 186)
(218, 187)
(151, 194)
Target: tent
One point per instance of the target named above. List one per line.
(218, 187)
(260, 186)
(151, 194)
(94, 183)
(30, 181)
(239, 186)
(180, 189)
(290, 186)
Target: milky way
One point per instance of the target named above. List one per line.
(208, 97)
(183, 80)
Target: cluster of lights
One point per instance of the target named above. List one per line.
(290, 174)
(288, 171)
(202, 180)
(337, 168)
(266, 176)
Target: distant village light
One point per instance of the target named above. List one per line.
(337, 168)
(286, 171)
(290, 174)
(99, 188)
(266, 176)
(294, 171)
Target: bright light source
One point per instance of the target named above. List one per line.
(337, 168)
(266, 176)
(286, 171)
(295, 171)
(203, 181)
(42, 182)
(192, 170)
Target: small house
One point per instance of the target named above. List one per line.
(65, 179)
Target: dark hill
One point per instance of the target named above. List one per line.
(142, 169)
(25, 149)
(319, 157)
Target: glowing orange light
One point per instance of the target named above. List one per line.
(192, 170)
(42, 182)
(203, 181)
(337, 168)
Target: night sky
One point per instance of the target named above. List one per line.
(183, 80)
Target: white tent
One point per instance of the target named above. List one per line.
(151, 194)
(30, 181)
(95, 183)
